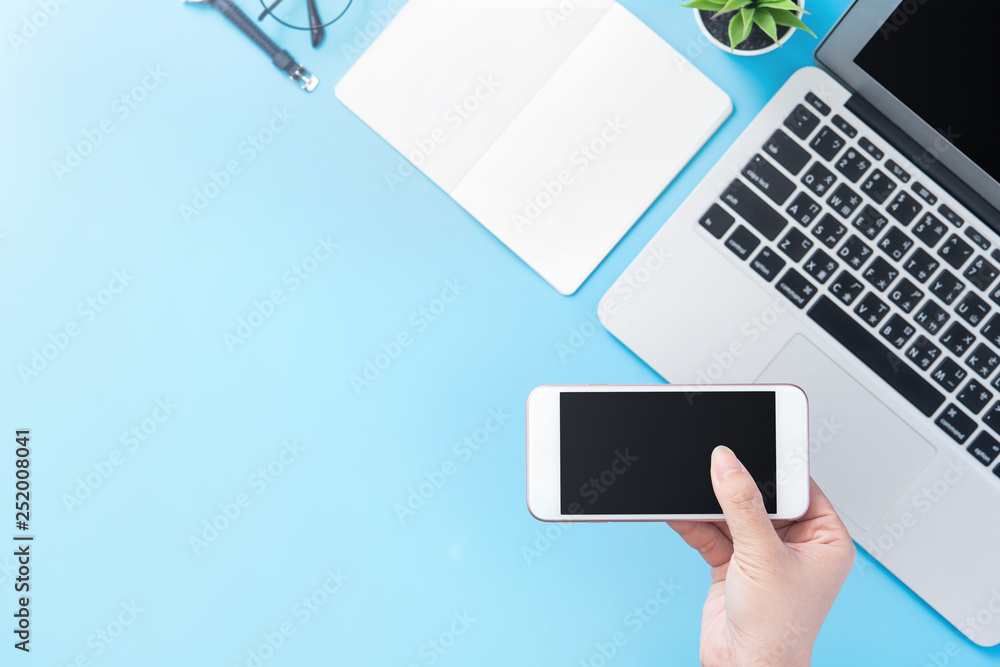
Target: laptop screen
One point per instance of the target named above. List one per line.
(906, 57)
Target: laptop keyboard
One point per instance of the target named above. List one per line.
(866, 249)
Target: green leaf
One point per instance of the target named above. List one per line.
(709, 5)
(765, 20)
(791, 20)
(736, 30)
(746, 13)
(781, 4)
(731, 6)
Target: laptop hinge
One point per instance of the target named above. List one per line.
(943, 176)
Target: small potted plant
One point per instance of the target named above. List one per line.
(749, 27)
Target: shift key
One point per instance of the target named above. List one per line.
(754, 210)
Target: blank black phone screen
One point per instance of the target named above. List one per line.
(650, 452)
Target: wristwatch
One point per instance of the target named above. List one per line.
(281, 58)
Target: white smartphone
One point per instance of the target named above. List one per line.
(643, 452)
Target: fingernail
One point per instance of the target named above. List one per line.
(725, 462)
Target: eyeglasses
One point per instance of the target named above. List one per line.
(311, 15)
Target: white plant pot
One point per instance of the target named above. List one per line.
(738, 52)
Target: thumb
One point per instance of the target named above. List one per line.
(741, 503)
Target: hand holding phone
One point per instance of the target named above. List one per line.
(772, 584)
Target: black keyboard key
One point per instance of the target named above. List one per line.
(981, 273)
(947, 287)
(767, 264)
(949, 374)
(921, 265)
(991, 331)
(844, 126)
(923, 352)
(992, 417)
(978, 239)
(754, 210)
(985, 448)
(801, 121)
(870, 222)
(950, 215)
(932, 317)
(929, 229)
(956, 423)
(844, 200)
(853, 164)
(817, 104)
(846, 288)
(871, 310)
(906, 295)
(897, 331)
(878, 186)
(983, 360)
(768, 179)
(716, 221)
(972, 309)
(904, 208)
(795, 244)
(870, 148)
(955, 251)
(794, 286)
(880, 274)
(827, 143)
(882, 361)
(974, 396)
(819, 179)
(957, 339)
(829, 231)
(803, 209)
(783, 150)
(895, 243)
(897, 171)
(924, 193)
(820, 266)
(854, 252)
(742, 242)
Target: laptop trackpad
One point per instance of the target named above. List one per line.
(861, 454)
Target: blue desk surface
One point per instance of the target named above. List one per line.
(196, 259)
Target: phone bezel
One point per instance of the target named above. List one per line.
(543, 478)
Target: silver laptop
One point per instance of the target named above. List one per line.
(849, 243)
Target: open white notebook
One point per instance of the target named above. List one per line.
(555, 123)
